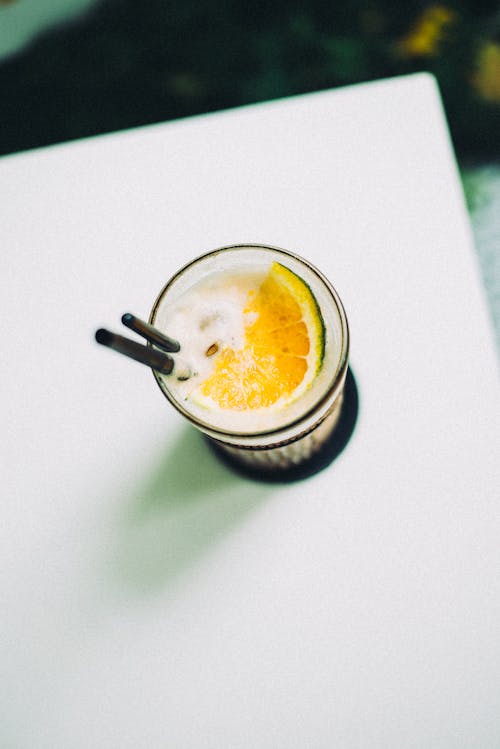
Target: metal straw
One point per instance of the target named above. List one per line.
(150, 333)
(155, 359)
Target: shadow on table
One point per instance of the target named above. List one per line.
(333, 447)
(189, 503)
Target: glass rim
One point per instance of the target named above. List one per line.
(323, 403)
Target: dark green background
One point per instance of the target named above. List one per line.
(128, 63)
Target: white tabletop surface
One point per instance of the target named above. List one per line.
(149, 596)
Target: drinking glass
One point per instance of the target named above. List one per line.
(298, 432)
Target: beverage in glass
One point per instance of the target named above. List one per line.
(264, 344)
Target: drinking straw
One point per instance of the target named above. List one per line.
(150, 333)
(145, 354)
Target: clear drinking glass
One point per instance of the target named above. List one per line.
(298, 432)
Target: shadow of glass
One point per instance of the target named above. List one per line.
(333, 447)
(189, 503)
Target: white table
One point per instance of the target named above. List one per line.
(150, 597)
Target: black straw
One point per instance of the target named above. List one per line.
(150, 333)
(145, 354)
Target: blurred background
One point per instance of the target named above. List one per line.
(77, 68)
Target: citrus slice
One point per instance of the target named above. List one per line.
(282, 352)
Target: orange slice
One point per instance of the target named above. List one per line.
(283, 348)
